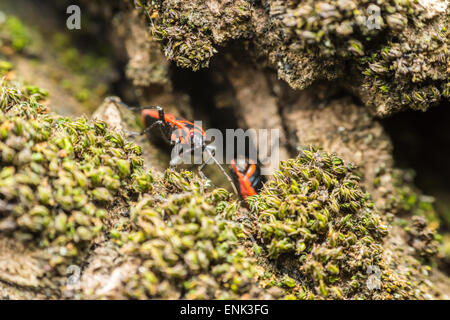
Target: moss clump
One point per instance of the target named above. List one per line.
(186, 244)
(407, 200)
(314, 210)
(398, 48)
(58, 176)
(422, 237)
(189, 30)
(14, 33)
(5, 66)
(396, 51)
(323, 238)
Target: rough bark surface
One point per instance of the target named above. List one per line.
(313, 70)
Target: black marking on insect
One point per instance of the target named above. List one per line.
(179, 133)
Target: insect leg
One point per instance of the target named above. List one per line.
(165, 128)
(203, 176)
(134, 133)
(223, 171)
(116, 100)
(161, 122)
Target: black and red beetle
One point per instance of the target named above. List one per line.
(178, 132)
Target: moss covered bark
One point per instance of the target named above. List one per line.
(77, 192)
(396, 50)
(69, 184)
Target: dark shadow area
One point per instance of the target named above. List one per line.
(203, 87)
(422, 142)
(212, 95)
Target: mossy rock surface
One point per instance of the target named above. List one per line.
(74, 192)
(60, 177)
(395, 52)
(66, 184)
(321, 230)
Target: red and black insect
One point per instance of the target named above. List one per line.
(178, 132)
(247, 176)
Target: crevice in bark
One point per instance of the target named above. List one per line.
(422, 142)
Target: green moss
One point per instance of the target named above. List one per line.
(408, 200)
(14, 33)
(5, 66)
(188, 32)
(38, 93)
(186, 244)
(312, 233)
(322, 232)
(314, 211)
(59, 175)
(396, 50)
(83, 95)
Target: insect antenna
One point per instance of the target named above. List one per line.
(223, 171)
(123, 104)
